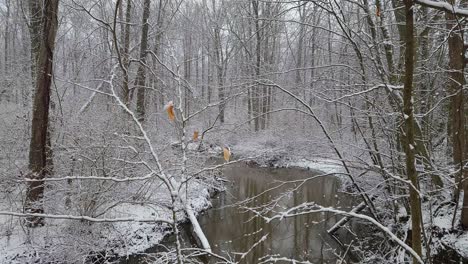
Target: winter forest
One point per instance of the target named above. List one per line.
(233, 131)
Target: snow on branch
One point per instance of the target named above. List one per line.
(114, 179)
(307, 208)
(444, 6)
(87, 218)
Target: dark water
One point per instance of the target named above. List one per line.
(231, 228)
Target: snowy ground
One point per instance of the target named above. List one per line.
(440, 224)
(321, 164)
(64, 240)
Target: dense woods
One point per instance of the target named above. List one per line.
(112, 112)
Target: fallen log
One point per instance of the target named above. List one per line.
(197, 229)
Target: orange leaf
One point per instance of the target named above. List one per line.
(170, 110)
(195, 135)
(227, 154)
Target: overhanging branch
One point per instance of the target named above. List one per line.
(443, 6)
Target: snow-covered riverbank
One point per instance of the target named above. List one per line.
(62, 240)
(446, 242)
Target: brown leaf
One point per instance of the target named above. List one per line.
(227, 154)
(170, 110)
(195, 135)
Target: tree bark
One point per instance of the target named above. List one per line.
(219, 71)
(35, 30)
(7, 37)
(255, 92)
(409, 131)
(126, 48)
(219, 58)
(40, 121)
(456, 116)
(141, 72)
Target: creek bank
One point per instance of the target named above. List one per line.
(448, 246)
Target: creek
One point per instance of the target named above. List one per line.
(232, 228)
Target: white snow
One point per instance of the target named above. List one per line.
(444, 6)
(192, 146)
(125, 238)
(320, 164)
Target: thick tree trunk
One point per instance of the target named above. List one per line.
(456, 116)
(219, 58)
(38, 148)
(409, 131)
(399, 14)
(141, 72)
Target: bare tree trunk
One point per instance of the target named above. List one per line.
(7, 36)
(219, 72)
(219, 57)
(271, 62)
(187, 47)
(209, 73)
(157, 49)
(268, 61)
(424, 94)
(315, 19)
(456, 115)
(40, 121)
(203, 71)
(399, 14)
(382, 23)
(141, 72)
(300, 45)
(126, 42)
(255, 92)
(25, 52)
(35, 29)
(409, 144)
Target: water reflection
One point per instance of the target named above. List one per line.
(232, 229)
